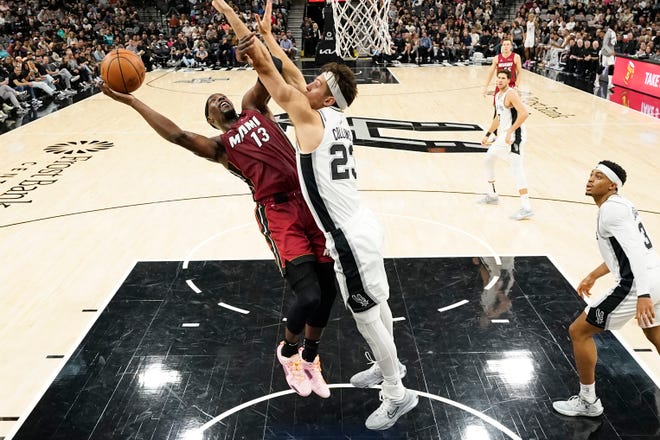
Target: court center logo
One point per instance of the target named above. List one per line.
(78, 147)
(391, 134)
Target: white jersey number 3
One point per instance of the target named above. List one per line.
(647, 240)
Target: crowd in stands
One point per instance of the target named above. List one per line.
(567, 34)
(52, 49)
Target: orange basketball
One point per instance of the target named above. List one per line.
(122, 70)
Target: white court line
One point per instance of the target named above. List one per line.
(235, 309)
(492, 282)
(193, 287)
(494, 423)
(221, 304)
(190, 324)
(453, 306)
(186, 260)
(498, 261)
(73, 347)
(499, 321)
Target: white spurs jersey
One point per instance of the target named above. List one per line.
(625, 245)
(507, 117)
(328, 175)
(531, 28)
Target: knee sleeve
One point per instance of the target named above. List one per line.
(304, 283)
(518, 171)
(380, 341)
(325, 273)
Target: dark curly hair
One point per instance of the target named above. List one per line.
(616, 168)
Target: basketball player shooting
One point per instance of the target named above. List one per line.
(254, 147)
(354, 237)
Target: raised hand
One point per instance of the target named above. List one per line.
(243, 47)
(124, 98)
(264, 23)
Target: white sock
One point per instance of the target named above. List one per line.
(525, 201)
(588, 392)
(393, 388)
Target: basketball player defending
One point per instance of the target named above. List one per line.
(505, 60)
(510, 115)
(255, 149)
(326, 169)
(629, 255)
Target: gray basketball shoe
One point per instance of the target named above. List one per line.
(390, 410)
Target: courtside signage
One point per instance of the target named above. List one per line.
(637, 75)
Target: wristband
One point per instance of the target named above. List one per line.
(488, 133)
(278, 63)
(644, 295)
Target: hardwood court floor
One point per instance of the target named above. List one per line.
(90, 190)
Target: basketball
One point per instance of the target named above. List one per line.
(122, 70)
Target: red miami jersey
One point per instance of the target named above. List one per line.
(509, 64)
(259, 152)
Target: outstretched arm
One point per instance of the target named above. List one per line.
(291, 73)
(200, 145)
(306, 120)
(257, 98)
(309, 128)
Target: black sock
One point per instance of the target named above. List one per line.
(310, 349)
(289, 349)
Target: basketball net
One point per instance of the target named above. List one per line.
(361, 26)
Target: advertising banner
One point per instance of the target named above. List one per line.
(638, 75)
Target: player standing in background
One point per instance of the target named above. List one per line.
(530, 40)
(607, 54)
(508, 60)
(510, 115)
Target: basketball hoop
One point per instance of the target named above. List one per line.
(361, 27)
